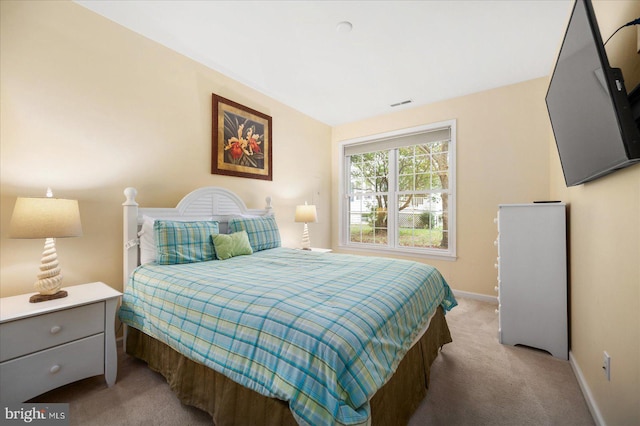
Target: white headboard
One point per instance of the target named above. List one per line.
(218, 203)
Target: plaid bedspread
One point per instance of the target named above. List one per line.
(321, 331)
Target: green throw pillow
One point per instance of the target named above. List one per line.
(228, 246)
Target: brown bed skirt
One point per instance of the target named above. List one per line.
(229, 403)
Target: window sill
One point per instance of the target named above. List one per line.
(398, 252)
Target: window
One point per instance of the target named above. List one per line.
(398, 191)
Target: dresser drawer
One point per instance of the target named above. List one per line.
(49, 369)
(28, 335)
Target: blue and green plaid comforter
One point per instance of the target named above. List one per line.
(321, 331)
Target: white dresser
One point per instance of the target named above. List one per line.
(49, 344)
(532, 276)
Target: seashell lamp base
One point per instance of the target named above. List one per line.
(50, 277)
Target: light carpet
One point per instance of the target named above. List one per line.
(474, 381)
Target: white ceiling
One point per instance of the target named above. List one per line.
(424, 51)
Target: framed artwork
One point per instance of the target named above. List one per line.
(241, 141)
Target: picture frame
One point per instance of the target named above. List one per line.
(241, 141)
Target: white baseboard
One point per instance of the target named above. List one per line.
(586, 392)
(476, 296)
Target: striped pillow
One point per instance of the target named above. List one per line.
(262, 231)
(184, 242)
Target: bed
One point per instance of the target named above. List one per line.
(256, 333)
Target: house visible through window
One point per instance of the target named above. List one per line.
(399, 191)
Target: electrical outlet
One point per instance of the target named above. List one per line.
(606, 365)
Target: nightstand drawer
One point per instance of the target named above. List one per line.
(28, 335)
(31, 375)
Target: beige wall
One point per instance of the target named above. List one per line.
(502, 157)
(89, 108)
(604, 229)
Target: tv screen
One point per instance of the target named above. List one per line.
(588, 106)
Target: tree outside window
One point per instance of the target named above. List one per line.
(400, 197)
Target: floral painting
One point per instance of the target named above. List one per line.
(241, 141)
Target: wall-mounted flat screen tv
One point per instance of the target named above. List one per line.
(590, 111)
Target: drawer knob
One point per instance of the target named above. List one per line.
(54, 369)
(495, 288)
(55, 329)
(495, 243)
(495, 265)
(497, 311)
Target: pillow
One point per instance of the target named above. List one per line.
(184, 242)
(147, 236)
(231, 245)
(262, 231)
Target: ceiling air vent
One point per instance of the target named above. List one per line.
(408, 101)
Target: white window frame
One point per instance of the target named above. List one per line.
(393, 247)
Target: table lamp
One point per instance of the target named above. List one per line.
(305, 214)
(47, 218)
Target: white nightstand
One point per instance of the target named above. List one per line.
(321, 250)
(49, 344)
(316, 249)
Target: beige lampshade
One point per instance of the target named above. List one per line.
(306, 213)
(45, 218)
